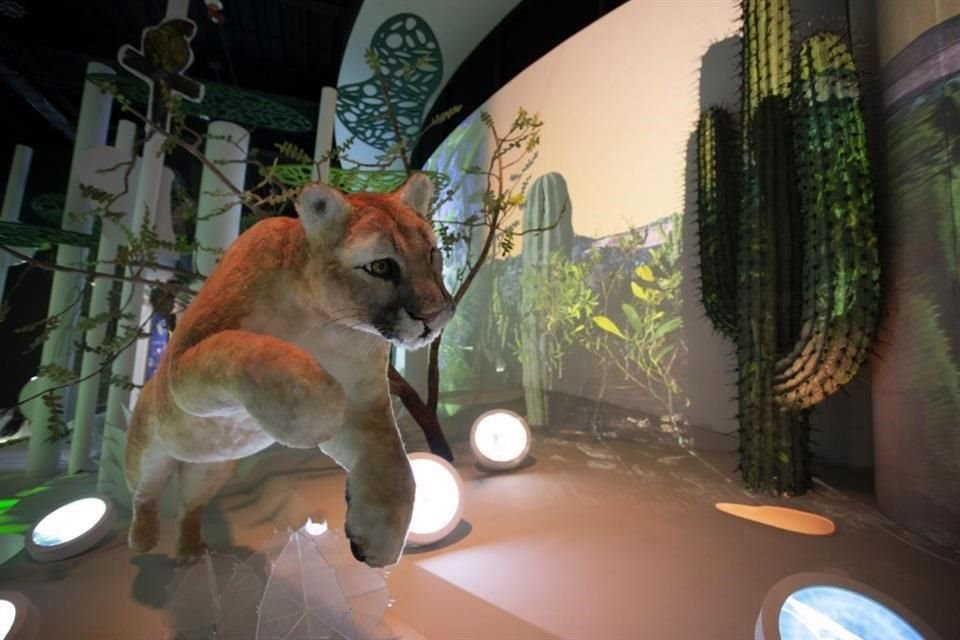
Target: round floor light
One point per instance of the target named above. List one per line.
(820, 606)
(18, 619)
(70, 530)
(438, 506)
(315, 528)
(500, 439)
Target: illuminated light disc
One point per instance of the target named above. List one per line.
(8, 615)
(500, 439)
(69, 522)
(824, 606)
(315, 528)
(438, 505)
(18, 618)
(70, 530)
(830, 613)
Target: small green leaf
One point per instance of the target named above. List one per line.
(633, 318)
(667, 327)
(662, 352)
(607, 324)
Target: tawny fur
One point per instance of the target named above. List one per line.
(288, 341)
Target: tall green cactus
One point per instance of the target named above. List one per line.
(807, 271)
(841, 273)
(547, 207)
(718, 195)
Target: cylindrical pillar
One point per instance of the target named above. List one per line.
(13, 201)
(67, 290)
(218, 209)
(916, 374)
(87, 390)
(131, 296)
(328, 107)
(177, 9)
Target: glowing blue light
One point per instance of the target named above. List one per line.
(832, 613)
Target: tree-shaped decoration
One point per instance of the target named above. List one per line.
(408, 61)
(163, 57)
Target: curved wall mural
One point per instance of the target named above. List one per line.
(916, 382)
(590, 322)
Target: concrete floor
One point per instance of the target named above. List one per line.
(604, 539)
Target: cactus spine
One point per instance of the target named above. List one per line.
(807, 269)
(547, 205)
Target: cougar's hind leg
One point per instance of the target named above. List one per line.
(199, 483)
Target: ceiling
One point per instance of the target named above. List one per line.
(290, 48)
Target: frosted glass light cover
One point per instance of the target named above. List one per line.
(500, 439)
(8, 615)
(438, 505)
(831, 613)
(832, 606)
(70, 529)
(69, 522)
(18, 618)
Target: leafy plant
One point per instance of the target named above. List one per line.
(650, 346)
(561, 304)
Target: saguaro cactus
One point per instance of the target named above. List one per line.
(841, 275)
(547, 207)
(718, 195)
(804, 309)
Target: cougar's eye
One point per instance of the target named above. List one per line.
(383, 268)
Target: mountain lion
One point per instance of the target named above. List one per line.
(288, 341)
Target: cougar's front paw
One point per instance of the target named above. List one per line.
(379, 507)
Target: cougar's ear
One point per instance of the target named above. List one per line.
(416, 193)
(322, 210)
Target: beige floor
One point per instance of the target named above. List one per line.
(592, 539)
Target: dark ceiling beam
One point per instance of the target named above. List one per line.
(36, 100)
(326, 9)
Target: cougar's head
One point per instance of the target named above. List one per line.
(375, 262)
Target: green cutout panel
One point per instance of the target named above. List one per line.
(399, 43)
(220, 102)
(15, 234)
(355, 180)
(50, 206)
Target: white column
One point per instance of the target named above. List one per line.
(328, 107)
(13, 201)
(177, 9)
(131, 296)
(227, 146)
(87, 390)
(43, 456)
